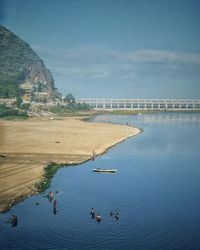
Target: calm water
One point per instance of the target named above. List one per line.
(156, 192)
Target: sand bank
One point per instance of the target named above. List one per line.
(28, 146)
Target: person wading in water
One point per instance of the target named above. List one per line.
(117, 216)
(54, 206)
(98, 218)
(13, 220)
(92, 212)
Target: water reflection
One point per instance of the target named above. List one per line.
(171, 118)
(146, 119)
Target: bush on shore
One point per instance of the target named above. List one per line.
(10, 112)
(62, 109)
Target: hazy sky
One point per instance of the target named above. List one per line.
(113, 48)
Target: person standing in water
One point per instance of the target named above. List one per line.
(13, 220)
(54, 206)
(92, 212)
(50, 196)
(117, 216)
(98, 218)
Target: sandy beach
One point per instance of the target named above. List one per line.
(27, 146)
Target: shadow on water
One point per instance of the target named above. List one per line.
(155, 192)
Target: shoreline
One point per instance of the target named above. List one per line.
(27, 162)
(60, 165)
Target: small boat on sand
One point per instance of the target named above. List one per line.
(103, 170)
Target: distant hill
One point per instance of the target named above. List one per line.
(21, 66)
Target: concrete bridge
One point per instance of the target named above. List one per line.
(142, 104)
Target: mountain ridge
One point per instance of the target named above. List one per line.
(20, 64)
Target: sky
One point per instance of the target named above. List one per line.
(113, 48)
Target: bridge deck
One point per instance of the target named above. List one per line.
(142, 104)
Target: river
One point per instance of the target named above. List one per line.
(156, 192)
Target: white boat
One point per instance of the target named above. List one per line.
(103, 170)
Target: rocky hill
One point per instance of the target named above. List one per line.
(20, 67)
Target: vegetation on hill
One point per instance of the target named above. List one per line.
(20, 64)
(70, 106)
(8, 90)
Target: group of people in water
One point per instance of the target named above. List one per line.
(98, 217)
(14, 219)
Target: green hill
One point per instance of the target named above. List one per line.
(20, 65)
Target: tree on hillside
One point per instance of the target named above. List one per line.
(7, 89)
(19, 101)
(70, 100)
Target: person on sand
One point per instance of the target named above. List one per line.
(98, 218)
(92, 212)
(93, 155)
